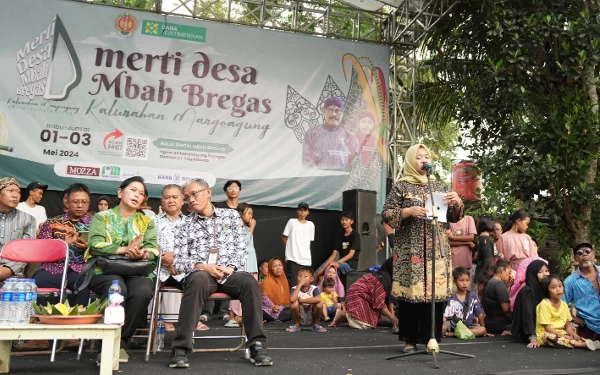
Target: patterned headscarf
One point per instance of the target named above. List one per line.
(409, 173)
(7, 181)
(333, 100)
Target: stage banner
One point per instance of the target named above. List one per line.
(97, 94)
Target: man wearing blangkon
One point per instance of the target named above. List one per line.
(330, 146)
(210, 248)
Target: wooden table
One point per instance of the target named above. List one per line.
(109, 334)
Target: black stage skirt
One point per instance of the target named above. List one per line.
(414, 321)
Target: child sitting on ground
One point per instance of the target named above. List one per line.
(554, 327)
(463, 306)
(305, 302)
(329, 298)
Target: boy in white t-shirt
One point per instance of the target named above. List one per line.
(35, 192)
(297, 236)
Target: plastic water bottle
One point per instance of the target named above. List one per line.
(6, 302)
(114, 288)
(27, 306)
(19, 302)
(34, 291)
(160, 334)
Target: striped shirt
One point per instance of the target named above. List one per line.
(328, 148)
(165, 230)
(15, 225)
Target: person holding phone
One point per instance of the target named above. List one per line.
(123, 230)
(68, 227)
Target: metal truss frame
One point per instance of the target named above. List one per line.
(402, 27)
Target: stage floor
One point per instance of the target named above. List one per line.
(341, 351)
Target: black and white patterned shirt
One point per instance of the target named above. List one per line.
(197, 235)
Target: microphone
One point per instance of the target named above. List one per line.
(6, 148)
(426, 166)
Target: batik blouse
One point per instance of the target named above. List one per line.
(411, 282)
(109, 231)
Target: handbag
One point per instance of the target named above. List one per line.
(120, 265)
(123, 266)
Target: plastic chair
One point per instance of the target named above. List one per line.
(40, 251)
(152, 330)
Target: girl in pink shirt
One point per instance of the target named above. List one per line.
(515, 244)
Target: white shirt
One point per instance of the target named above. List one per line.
(297, 248)
(38, 212)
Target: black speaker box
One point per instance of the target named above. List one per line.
(363, 204)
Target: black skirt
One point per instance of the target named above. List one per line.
(414, 321)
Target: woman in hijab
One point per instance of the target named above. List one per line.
(529, 297)
(103, 203)
(275, 291)
(520, 279)
(331, 271)
(404, 210)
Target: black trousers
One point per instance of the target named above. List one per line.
(137, 291)
(415, 321)
(44, 279)
(291, 270)
(199, 285)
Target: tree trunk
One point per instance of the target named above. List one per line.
(580, 224)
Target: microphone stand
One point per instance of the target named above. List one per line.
(432, 345)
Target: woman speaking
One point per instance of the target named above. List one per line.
(404, 210)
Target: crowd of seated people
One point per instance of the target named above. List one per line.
(506, 288)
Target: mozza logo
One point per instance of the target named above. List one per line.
(48, 64)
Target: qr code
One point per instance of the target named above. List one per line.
(136, 148)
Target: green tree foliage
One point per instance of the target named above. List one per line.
(521, 78)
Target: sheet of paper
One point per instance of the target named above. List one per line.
(440, 203)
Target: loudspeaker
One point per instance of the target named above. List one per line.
(363, 203)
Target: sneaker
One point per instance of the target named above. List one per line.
(178, 358)
(592, 345)
(259, 355)
(137, 343)
(232, 324)
(204, 318)
(225, 317)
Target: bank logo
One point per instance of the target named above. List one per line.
(126, 24)
(176, 178)
(77, 170)
(47, 67)
(111, 171)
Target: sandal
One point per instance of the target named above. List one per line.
(293, 329)
(202, 327)
(319, 329)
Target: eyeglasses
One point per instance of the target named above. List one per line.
(233, 188)
(80, 203)
(330, 110)
(194, 194)
(587, 250)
